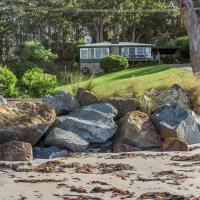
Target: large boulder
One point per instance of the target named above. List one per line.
(16, 151)
(49, 152)
(136, 131)
(62, 102)
(25, 121)
(93, 123)
(66, 139)
(122, 104)
(3, 100)
(175, 94)
(173, 144)
(174, 121)
(85, 97)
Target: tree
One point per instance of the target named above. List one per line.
(192, 24)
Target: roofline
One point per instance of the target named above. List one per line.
(114, 45)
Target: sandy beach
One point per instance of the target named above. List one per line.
(140, 175)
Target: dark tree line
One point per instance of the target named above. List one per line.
(56, 25)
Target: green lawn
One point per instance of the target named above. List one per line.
(136, 80)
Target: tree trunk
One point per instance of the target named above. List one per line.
(192, 24)
(99, 27)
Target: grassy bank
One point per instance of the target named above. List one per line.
(137, 80)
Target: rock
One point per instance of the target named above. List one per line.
(100, 147)
(16, 151)
(174, 121)
(173, 144)
(48, 152)
(122, 104)
(93, 123)
(85, 97)
(173, 95)
(25, 121)
(66, 139)
(3, 100)
(121, 147)
(136, 132)
(62, 102)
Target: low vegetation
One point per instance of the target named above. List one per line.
(8, 82)
(137, 81)
(36, 83)
(114, 63)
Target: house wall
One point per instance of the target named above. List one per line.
(94, 64)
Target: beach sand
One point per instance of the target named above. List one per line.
(103, 176)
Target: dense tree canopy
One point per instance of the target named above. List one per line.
(58, 23)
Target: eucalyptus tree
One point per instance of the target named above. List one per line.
(192, 24)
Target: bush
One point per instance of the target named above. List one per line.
(36, 83)
(7, 82)
(33, 55)
(113, 63)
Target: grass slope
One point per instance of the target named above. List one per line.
(135, 81)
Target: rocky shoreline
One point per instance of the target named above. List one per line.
(79, 147)
(62, 123)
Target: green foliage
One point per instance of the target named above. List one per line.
(21, 67)
(7, 82)
(75, 50)
(34, 51)
(36, 83)
(183, 44)
(33, 55)
(113, 63)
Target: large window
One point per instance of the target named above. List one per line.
(144, 51)
(93, 53)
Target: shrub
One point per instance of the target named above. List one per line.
(36, 83)
(113, 63)
(33, 55)
(7, 82)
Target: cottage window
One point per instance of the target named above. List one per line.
(84, 54)
(140, 51)
(91, 53)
